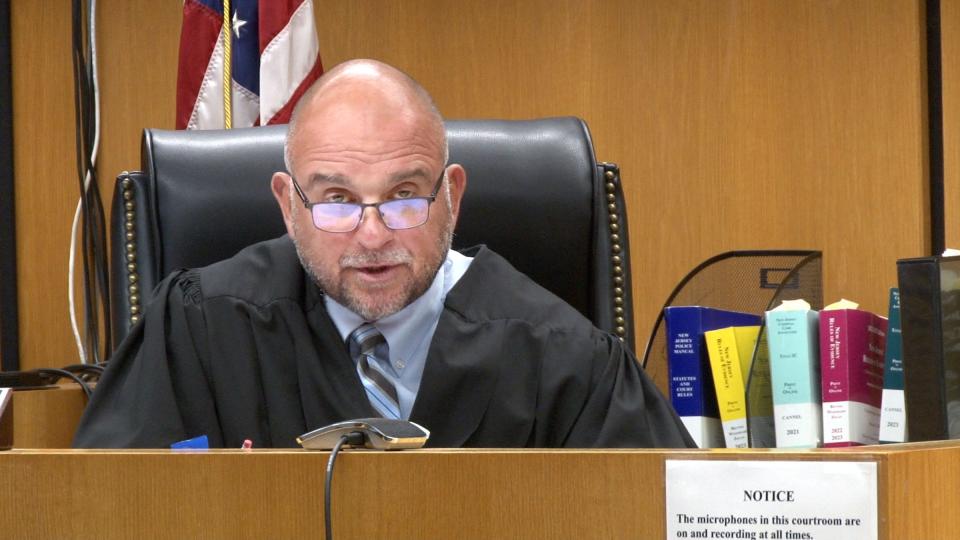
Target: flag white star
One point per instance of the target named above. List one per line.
(237, 25)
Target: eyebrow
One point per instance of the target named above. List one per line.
(395, 178)
(338, 179)
(403, 176)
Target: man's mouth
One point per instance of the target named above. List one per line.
(376, 273)
(376, 270)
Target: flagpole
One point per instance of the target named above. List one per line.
(227, 76)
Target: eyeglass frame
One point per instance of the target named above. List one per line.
(363, 206)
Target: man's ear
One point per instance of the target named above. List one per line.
(280, 185)
(457, 178)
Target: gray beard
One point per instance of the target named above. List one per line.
(373, 311)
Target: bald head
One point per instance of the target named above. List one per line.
(366, 91)
(364, 135)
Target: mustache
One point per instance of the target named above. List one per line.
(388, 257)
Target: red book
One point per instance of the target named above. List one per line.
(852, 344)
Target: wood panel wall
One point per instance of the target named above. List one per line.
(737, 124)
(950, 43)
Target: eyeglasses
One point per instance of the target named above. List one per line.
(397, 214)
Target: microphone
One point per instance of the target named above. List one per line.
(376, 433)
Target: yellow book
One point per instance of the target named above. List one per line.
(731, 350)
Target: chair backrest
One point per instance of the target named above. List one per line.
(535, 194)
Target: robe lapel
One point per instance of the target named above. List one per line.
(330, 389)
(458, 381)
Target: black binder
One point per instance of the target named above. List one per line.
(930, 316)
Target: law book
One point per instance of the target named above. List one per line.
(852, 341)
(692, 391)
(893, 416)
(793, 341)
(730, 351)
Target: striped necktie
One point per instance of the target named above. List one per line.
(364, 344)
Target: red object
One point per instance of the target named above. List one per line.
(274, 59)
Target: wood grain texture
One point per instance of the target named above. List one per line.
(737, 124)
(921, 491)
(414, 494)
(47, 418)
(489, 494)
(45, 176)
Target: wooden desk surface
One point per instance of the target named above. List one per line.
(465, 494)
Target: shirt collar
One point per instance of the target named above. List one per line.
(404, 330)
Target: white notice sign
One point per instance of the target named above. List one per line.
(771, 500)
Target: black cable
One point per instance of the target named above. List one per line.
(97, 222)
(87, 372)
(354, 438)
(96, 369)
(100, 256)
(79, 92)
(96, 282)
(67, 374)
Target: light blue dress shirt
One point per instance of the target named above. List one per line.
(409, 331)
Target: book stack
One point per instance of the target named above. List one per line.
(692, 390)
(822, 371)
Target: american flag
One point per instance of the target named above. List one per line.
(274, 59)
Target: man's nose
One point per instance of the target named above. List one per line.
(373, 233)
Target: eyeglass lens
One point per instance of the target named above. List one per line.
(396, 214)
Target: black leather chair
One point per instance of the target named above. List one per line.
(535, 194)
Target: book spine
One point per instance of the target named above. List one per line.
(852, 343)
(835, 372)
(795, 379)
(869, 387)
(724, 357)
(684, 350)
(893, 416)
(683, 358)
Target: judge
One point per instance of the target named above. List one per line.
(363, 310)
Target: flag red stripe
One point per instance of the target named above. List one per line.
(283, 115)
(274, 17)
(198, 38)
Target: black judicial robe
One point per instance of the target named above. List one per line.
(245, 349)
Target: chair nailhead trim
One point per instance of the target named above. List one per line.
(615, 248)
(131, 248)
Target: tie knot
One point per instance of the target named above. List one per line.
(364, 340)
